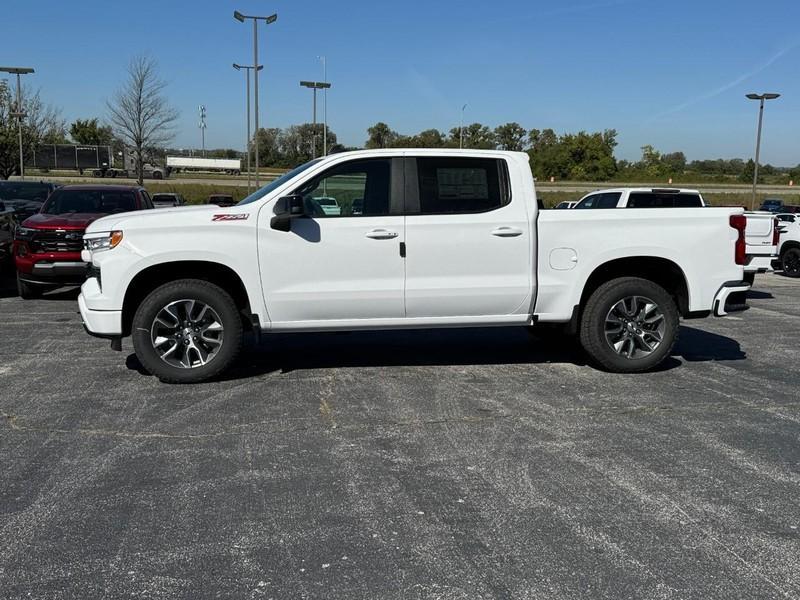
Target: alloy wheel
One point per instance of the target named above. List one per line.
(187, 334)
(634, 327)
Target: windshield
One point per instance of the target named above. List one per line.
(273, 185)
(11, 190)
(89, 201)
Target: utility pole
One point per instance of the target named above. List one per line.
(461, 128)
(247, 69)
(315, 85)
(761, 98)
(19, 111)
(268, 20)
(324, 107)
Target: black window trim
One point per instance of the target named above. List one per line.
(413, 204)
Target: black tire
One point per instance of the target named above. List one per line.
(749, 278)
(187, 289)
(790, 262)
(593, 335)
(28, 291)
(157, 175)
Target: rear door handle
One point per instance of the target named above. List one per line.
(507, 232)
(381, 234)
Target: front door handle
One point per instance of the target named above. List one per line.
(381, 234)
(507, 232)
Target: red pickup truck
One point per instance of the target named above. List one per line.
(47, 246)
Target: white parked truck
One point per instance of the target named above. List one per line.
(422, 238)
(231, 166)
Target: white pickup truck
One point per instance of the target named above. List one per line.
(422, 238)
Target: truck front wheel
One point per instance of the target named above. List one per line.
(187, 331)
(629, 325)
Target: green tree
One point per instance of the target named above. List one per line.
(89, 131)
(42, 124)
(381, 136)
(476, 136)
(510, 136)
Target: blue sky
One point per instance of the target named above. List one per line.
(668, 73)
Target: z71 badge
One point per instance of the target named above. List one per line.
(239, 217)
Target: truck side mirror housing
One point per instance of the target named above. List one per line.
(287, 208)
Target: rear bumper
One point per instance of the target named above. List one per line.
(99, 323)
(730, 298)
(760, 263)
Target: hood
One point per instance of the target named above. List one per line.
(67, 221)
(117, 221)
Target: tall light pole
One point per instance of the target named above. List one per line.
(324, 107)
(19, 113)
(268, 20)
(247, 69)
(315, 85)
(461, 128)
(761, 98)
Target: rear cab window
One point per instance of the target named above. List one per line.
(663, 200)
(601, 200)
(449, 185)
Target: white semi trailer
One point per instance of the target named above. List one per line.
(231, 166)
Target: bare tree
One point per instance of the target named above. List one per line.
(139, 112)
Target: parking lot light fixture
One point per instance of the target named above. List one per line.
(315, 85)
(761, 98)
(268, 20)
(19, 113)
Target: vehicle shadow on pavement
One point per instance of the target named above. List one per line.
(696, 345)
(284, 353)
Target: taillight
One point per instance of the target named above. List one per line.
(776, 232)
(739, 223)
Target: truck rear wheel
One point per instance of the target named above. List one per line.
(157, 175)
(790, 262)
(187, 331)
(629, 325)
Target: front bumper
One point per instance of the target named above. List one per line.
(100, 323)
(730, 298)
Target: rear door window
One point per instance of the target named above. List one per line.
(461, 185)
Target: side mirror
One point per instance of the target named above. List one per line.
(286, 209)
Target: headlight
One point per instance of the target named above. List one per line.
(23, 233)
(95, 242)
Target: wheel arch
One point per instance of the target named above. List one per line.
(659, 270)
(788, 245)
(148, 279)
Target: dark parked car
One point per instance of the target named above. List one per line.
(47, 246)
(165, 200)
(7, 224)
(221, 200)
(776, 205)
(25, 198)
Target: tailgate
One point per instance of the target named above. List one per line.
(759, 233)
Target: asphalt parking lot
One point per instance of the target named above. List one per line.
(443, 464)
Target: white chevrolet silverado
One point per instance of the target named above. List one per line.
(420, 239)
